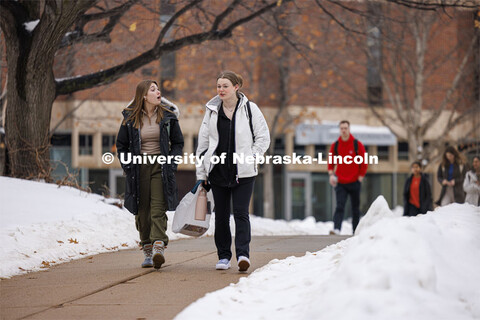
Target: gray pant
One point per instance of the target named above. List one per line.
(448, 197)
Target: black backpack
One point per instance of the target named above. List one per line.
(355, 147)
(249, 111)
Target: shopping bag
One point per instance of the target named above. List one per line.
(192, 215)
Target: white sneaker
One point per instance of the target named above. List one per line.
(223, 264)
(335, 232)
(243, 263)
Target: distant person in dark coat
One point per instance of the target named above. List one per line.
(450, 175)
(417, 193)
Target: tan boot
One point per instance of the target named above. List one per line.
(158, 254)
(147, 252)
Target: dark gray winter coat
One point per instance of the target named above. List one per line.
(171, 143)
(459, 172)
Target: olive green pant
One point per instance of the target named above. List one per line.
(151, 220)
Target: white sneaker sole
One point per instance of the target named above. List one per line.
(222, 266)
(243, 265)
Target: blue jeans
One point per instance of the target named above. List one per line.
(342, 191)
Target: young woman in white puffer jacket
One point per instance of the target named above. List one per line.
(232, 125)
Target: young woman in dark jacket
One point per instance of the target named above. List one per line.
(151, 128)
(417, 193)
(450, 175)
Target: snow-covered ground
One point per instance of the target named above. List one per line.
(424, 267)
(43, 224)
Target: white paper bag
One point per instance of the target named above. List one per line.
(184, 219)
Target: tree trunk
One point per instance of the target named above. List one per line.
(32, 37)
(30, 95)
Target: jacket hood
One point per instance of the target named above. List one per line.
(215, 102)
(164, 102)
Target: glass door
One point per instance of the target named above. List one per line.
(117, 182)
(322, 196)
(297, 200)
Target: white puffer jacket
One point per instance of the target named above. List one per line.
(208, 137)
(471, 188)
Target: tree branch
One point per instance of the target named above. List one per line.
(434, 4)
(430, 121)
(113, 15)
(172, 20)
(71, 85)
(224, 14)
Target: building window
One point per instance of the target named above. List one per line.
(86, 144)
(382, 152)
(108, 143)
(279, 146)
(321, 148)
(299, 149)
(403, 151)
(61, 140)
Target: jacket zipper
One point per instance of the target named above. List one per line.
(218, 140)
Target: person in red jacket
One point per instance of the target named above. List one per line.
(346, 178)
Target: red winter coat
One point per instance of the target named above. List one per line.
(348, 173)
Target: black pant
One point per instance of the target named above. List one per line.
(412, 210)
(240, 195)
(342, 191)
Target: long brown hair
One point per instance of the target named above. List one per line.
(136, 106)
(458, 158)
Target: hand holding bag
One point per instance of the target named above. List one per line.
(192, 216)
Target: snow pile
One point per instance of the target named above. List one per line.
(423, 267)
(42, 224)
(378, 210)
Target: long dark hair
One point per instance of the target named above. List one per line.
(136, 106)
(475, 157)
(458, 158)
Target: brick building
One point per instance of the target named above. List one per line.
(332, 74)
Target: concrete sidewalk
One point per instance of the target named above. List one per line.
(113, 286)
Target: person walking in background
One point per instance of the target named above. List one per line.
(346, 178)
(450, 175)
(151, 128)
(232, 124)
(471, 184)
(417, 193)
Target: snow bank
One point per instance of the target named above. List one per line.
(43, 224)
(423, 267)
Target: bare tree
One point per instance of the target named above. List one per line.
(401, 66)
(35, 31)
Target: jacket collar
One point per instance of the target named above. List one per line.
(351, 138)
(214, 103)
(165, 102)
